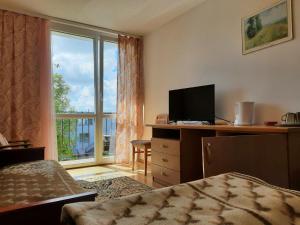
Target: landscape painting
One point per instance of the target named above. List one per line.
(267, 27)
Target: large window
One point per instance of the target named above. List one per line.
(110, 64)
(84, 68)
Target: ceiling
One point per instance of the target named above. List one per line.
(131, 16)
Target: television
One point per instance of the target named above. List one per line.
(192, 104)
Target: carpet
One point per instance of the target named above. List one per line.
(114, 188)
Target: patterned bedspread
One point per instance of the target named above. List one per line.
(227, 199)
(35, 181)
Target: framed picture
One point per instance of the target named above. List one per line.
(268, 27)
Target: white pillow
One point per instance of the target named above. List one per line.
(3, 140)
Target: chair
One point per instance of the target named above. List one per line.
(141, 146)
(5, 144)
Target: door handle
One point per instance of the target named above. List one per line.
(164, 146)
(164, 160)
(208, 153)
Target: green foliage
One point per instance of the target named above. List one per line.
(251, 30)
(61, 91)
(65, 129)
(66, 138)
(254, 26)
(268, 34)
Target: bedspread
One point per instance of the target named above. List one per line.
(35, 181)
(227, 199)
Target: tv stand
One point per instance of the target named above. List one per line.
(182, 153)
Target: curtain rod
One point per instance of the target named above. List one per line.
(73, 23)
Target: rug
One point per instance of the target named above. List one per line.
(114, 188)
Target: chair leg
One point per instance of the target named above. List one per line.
(146, 160)
(133, 157)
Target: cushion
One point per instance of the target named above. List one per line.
(3, 140)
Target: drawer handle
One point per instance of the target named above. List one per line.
(165, 160)
(163, 174)
(208, 153)
(164, 146)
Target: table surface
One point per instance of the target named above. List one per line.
(228, 128)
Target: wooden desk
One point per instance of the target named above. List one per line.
(182, 153)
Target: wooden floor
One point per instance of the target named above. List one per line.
(114, 170)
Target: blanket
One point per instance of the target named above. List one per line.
(25, 183)
(227, 199)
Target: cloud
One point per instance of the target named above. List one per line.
(76, 63)
(83, 100)
(110, 95)
(110, 61)
(76, 67)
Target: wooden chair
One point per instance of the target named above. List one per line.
(141, 146)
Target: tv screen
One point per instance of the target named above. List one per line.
(192, 104)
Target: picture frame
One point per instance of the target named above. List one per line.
(267, 27)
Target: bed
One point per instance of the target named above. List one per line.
(33, 191)
(227, 199)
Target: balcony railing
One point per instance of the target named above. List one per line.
(76, 135)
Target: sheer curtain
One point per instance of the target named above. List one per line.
(25, 80)
(130, 96)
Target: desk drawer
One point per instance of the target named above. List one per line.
(165, 175)
(166, 160)
(166, 146)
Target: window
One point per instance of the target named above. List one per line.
(73, 73)
(86, 123)
(110, 65)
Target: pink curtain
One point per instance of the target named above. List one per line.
(48, 132)
(25, 81)
(130, 96)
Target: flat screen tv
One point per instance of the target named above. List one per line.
(192, 104)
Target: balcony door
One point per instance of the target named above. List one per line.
(84, 74)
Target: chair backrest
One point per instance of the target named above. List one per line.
(3, 140)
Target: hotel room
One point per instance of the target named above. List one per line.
(157, 112)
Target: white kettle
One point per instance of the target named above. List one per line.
(244, 113)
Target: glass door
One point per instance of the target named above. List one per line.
(84, 74)
(110, 66)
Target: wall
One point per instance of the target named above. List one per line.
(204, 46)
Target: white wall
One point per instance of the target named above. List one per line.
(204, 46)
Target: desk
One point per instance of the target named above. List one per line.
(182, 153)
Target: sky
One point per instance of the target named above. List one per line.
(273, 14)
(72, 57)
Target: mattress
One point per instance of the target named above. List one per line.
(227, 199)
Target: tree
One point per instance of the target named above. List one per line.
(251, 30)
(64, 128)
(61, 91)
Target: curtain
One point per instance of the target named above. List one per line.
(47, 112)
(130, 100)
(25, 80)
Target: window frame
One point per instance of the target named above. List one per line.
(99, 38)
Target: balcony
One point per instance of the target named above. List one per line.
(76, 136)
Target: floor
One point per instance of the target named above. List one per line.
(114, 170)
